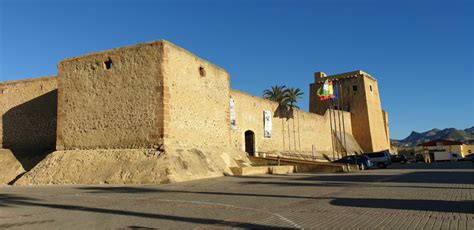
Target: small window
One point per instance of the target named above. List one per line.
(354, 88)
(108, 64)
(370, 87)
(202, 71)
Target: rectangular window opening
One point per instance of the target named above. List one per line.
(108, 64)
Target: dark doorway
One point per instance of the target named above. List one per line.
(250, 142)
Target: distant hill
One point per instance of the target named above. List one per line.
(415, 138)
(470, 130)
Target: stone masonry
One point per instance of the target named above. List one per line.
(157, 95)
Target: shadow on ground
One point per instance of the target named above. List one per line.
(435, 177)
(418, 205)
(100, 189)
(424, 179)
(435, 165)
(14, 200)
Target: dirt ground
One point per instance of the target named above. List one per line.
(10, 167)
(132, 166)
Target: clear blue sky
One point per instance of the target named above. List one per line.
(421, 52)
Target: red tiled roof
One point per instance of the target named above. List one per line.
(445, 142)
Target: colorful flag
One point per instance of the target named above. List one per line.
(326, 91)
(323, 91)
(335, 94)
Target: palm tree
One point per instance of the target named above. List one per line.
(292, 95)
(285, 97)
(277, 94)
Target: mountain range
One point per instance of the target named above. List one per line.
(415, 138)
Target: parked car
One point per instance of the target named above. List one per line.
(382, 159)
(419, 157)
(362, 161)
(410, 158)
(402, 158)
(399, 159)
(469, 157)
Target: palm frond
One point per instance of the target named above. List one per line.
(292, 96)
(276, 93)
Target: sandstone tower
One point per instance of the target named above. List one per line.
(138, 96)
(360, 96)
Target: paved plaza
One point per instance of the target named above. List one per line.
(411, 196)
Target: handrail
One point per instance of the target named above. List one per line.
(298, 156)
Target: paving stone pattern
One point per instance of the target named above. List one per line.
(411, 196)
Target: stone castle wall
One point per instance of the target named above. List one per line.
(359, 111)
(385, 121)
(153, 92)
(117, 107)
(157, 93)
(295, 130)
(28, 114)
(121, 107)
(377, 120)
(197, 111)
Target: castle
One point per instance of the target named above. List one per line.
(157, 98)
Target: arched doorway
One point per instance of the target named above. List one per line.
(250, 142)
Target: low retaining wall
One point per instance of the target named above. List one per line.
(282, 169)
(305, 166)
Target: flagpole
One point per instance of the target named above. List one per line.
(330, 122)
(343, 123)
(335, 131)
(339, 115)
(325, 93)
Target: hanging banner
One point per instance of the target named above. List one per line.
(267, 119)
(232, 114)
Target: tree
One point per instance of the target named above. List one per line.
(277, 94)
(285, 97)
(292, 95)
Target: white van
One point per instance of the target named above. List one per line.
(446, 156)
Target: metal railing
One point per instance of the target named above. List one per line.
(298, 156)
